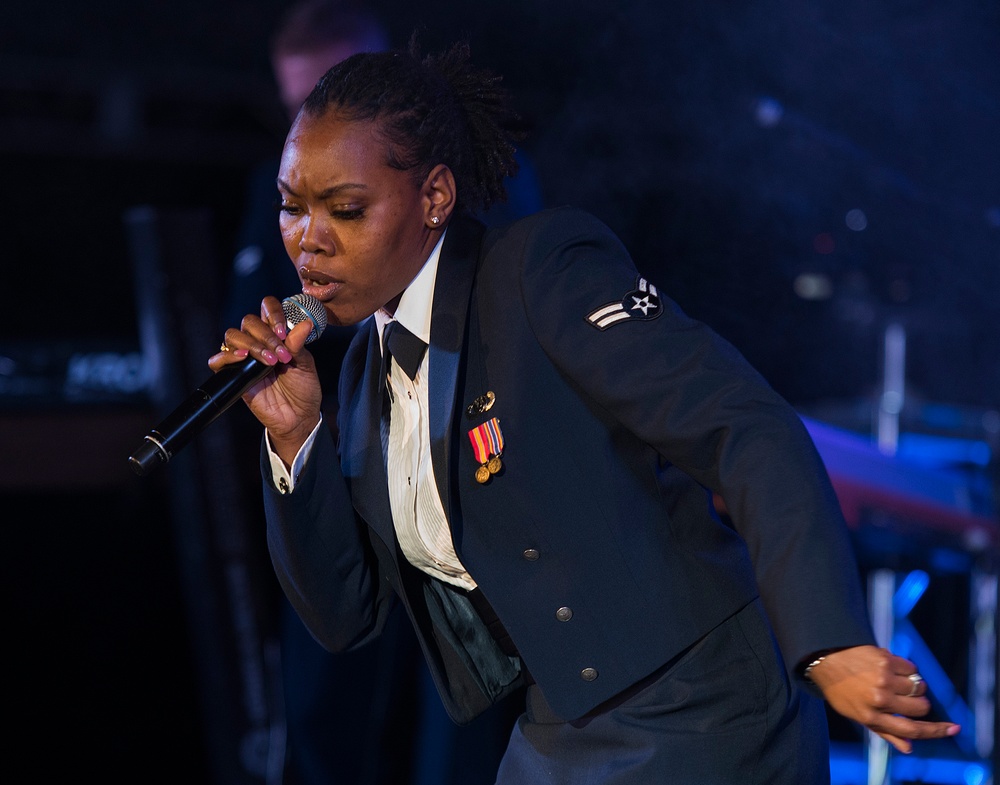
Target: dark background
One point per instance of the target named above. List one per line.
(726, 143)
(644, 112)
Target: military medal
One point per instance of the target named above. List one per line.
(487, 444)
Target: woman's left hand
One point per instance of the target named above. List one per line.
(881, 691)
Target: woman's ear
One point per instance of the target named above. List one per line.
(439, 196)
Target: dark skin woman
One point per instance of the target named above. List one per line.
(658, 641)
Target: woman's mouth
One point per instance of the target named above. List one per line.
(318, 284)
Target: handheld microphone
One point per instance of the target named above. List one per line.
(218, 393)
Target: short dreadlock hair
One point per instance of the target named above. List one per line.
(434, 109)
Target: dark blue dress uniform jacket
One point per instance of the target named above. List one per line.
(597, 545)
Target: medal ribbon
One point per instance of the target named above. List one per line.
(486, 440)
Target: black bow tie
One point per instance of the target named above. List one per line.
(403, 346)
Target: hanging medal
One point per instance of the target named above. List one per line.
(487, 444)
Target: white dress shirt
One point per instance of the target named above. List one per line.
(417, 512)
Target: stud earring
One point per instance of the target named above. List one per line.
(435, 220)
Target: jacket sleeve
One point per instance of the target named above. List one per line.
(691, 396)
(322, 554)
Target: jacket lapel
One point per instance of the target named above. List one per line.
(452, 291)
(361, 446)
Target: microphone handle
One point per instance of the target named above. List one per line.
(201, 408)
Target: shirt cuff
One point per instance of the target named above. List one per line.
(283, 478)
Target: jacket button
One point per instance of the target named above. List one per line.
(588, 674)
(530, 554)
(564, 614)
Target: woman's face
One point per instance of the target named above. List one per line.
(357, 230)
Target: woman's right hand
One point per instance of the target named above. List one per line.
(286, 402)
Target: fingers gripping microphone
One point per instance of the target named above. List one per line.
(218, 393)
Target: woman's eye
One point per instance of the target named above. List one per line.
(352, 214)
(285, 207)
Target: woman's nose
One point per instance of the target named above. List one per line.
(315, 238)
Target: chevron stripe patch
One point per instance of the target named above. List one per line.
(642, 303)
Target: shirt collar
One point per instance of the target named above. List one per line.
(414, 309)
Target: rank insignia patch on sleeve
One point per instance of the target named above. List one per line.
(641, 303)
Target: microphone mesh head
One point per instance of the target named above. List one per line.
(300, 307)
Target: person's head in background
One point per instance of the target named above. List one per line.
(318, 34)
